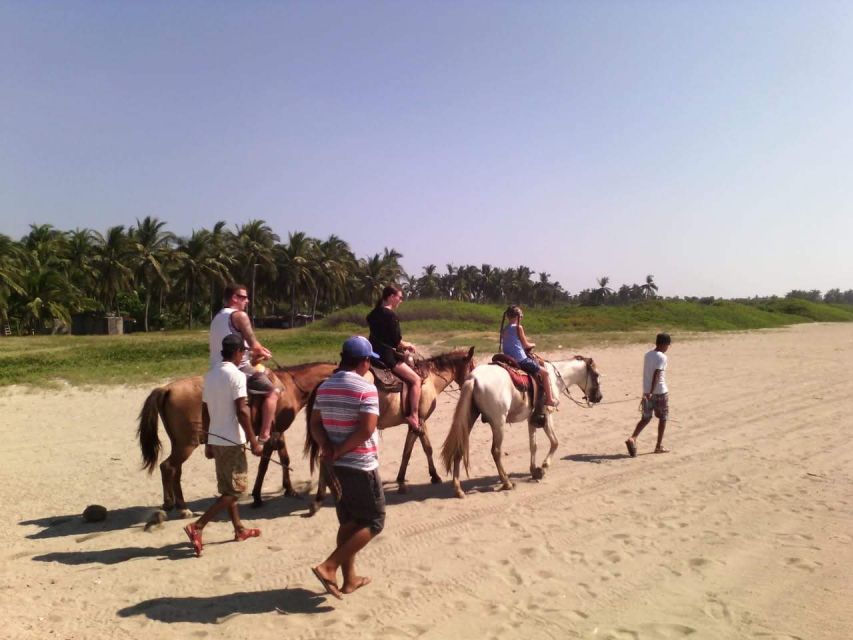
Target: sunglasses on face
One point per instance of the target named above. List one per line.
(241, 297)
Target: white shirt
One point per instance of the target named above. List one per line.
(220, 327)
(653, 361)
(223, 384)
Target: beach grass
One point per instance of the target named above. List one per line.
(435, 326)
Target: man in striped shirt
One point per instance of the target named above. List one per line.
(344, 425)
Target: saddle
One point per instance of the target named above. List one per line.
(525, 383)
(389, 383)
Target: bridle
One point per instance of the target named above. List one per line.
(586, 404)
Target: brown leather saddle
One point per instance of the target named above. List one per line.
(388, 382)
(525, 383)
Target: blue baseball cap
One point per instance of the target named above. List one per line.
(358, 347)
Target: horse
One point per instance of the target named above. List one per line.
(439, 372)
(489, 392)
(178, 404)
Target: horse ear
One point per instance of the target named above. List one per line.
(470, 353)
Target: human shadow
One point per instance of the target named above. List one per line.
(213, 609)
(596, 458)
(127, 517)
(177, 551)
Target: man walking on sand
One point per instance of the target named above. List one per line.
(226, 426)
(343, 423)
(655, 394)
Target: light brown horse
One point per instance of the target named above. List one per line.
(178, 404)
(438, 372)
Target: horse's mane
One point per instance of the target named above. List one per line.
(299, 368)
(445, 360)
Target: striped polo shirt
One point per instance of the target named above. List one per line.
(340, 400)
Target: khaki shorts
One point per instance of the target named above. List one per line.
(232, 470)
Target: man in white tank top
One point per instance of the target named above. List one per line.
(233, 319)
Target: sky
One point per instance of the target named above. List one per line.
(709, 144)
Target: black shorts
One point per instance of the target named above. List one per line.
(259, 384)
(363, 500)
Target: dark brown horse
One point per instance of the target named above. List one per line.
(438, 372)
(178, 404)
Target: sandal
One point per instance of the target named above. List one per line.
(194, 534)
(245, 534)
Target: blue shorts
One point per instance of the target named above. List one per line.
(529, 365)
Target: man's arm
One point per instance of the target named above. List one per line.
(315, 426)
(243, 417)
(655, 376)
(241, 322)
(366, 426)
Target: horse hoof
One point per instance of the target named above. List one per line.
(185, 513)
(460, 494)
(313, 509)
(435, 480)
(402, 487)
(290, 493)
(509, 486)
(538, 473)
(257, 502)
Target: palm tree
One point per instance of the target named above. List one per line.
(253, 245)
(11, 273)
(375, 272)
(603, 292)
(294, 262)
(220, 245)
(650, 288)
(151, 247)
(332, 263)
(428, 283)
(112, 262)
(196, 265)
(79, 252)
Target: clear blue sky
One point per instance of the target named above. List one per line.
(707, 143)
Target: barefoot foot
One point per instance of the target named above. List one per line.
(357, 583)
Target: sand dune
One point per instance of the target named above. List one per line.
(743, 531)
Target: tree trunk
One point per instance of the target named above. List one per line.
(147, 304)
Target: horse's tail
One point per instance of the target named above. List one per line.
(456, 444)
(310, 450)
(149, 441)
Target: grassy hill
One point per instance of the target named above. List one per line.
(434, 325)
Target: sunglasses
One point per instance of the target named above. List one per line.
(240, 297)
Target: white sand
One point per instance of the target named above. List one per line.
(743, 531)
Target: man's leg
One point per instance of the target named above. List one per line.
(631, 442)
(268, 415)
(352, 538)
(194, 529)
(661, 428)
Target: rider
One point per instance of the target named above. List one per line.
(514, 343)
(387, 341)
(234, 319)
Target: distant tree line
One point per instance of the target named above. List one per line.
(162, 280)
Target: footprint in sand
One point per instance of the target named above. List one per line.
(805, 565)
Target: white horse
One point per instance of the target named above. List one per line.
(490, 393)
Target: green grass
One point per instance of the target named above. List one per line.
(433, 325)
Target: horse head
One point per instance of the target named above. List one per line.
(592, 387)
(458, 363)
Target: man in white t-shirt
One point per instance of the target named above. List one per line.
(655, 394)
(343, 423)
(226, 426)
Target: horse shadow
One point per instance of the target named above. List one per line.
(595, 458)
(214, 609)
(129, 517)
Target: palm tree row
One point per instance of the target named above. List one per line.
(50, 274)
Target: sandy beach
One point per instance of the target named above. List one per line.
(744, 530)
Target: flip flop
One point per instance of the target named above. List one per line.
(363, 581)
(245, 534)
(194, 535)
(632, 448)
(661, 450)
(330, 587)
